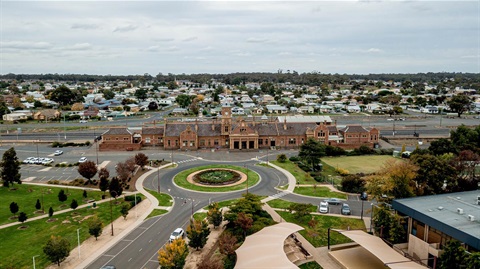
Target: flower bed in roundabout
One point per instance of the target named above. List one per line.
(216, 178)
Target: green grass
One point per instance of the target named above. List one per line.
(200, 216)
(318, 236)
(157, 212)
(358, 164)
(181, 179)
(278, 203)
(301, 176)
(310, 265)
(163, 198)
(26, 197)
(319, 192)
(19, 246)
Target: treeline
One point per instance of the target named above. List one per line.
(470, 80)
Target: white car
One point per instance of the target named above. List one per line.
(58, 152)
(83, 121)
(323, 208)
(28, 160)
(48, 161)
(178, 233)
(82, 160)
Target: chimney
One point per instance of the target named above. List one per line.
(254, 121)
(213, 125)
(285, 123)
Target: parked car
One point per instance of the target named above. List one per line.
(28, 160)
(58, 152)
(346, 209)
(47, 161)
(323, 208)
(82, 160)
(178, 233)
(83, 121)
(333, 201)
(108, 267)
(363, 196)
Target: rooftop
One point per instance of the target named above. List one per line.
(451, 213)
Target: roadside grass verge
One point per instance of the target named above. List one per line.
(20, 245)
(181, 179)
(157, 212)
(26, 196)
(200, 216)
(318, 235)
(282, 204)
(310, 265)
(163, 198)
(301, 176)
(358, 164)
(319, 192)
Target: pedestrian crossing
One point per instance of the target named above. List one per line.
(186, 161)
(278, 195)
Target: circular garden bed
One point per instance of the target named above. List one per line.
(216, 178)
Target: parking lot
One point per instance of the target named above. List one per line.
(41, 173)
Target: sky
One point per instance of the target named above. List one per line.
(138, 37)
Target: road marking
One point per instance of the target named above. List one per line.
(129, 259)
(45, 169)
(103, 164)
(140, 249)
(29, 179)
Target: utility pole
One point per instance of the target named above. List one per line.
(64, 128)
(158, 179)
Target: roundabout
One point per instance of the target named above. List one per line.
(216, 178)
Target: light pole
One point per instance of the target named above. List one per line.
(34, 260)
(78, 239)
(158, 179)
(96, 144)
(371, 217)
(135, 205)
(111, 214)
(245, 165)
(64, 129)
(361, 214)
(192, 207)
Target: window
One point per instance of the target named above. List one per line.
(184, 143)
(202, 143)
(321, 133)
(226, 128)
(176, 143)
(168, 142)
(243, 130)
(192, 143)
(215, 142)
(147, 140)
(292, 141)
(125, 139)
(209, 142)
(260, 141)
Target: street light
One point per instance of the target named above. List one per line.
(245, 166)
(158, 179)
(111, 214)
(78, 239)
(96, 143)
(361, 214)
(64, 129)
(192, 207)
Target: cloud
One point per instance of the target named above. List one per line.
(26, 45)
(84, 26)
(256, 40)
(81, 46)
(188, 39)
(374, 50)
(163, 39)
(125, 28)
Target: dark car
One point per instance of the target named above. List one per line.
(108, 267)
(333, 201)
(363, 196)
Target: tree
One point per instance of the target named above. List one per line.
(152, 106)
(473, 260)
(57, 249)
(50, 212)
(197, 233)
(382, 219)
(312, 151)
(115, 187)
(62, 95)
(84, 194)
(103, 174)
(442, 146)
(141, 94)
(22, 217)
(74, 204)
(465, 165)
(227, 243)
(10, 167)
(95, 226)
(245, 222)
(432, 172)
(459, 103)
(141, 159)
(122, 171)
(108, 94)
(282, 158)
(183, 100)
(453, 255)
(38, 205)
(210, 263)
(124, 210)
(395, 178)
(397, 232)
(130, 165)
(77, 107)
(62, 197)
(214, 215)
(87, 170)
(14, 208)
(300, 211)
(173, 255)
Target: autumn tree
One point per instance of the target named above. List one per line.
(131, 165)
(210, 263)
(57, 249)
(115, 187)
(197, 233)
(87, 170)
(14, 208)
(173, 255)
(10, 168)
(245, 222)
(77, 107)
(95, 226)
(141, 160)
(227, 244)
(214, 215)
(103, 174)
(465, 165)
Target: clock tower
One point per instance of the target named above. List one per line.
(226, 120)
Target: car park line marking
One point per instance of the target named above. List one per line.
(140, 249)
(103, 164)
(45, 169)
(29, 179)
(129, 259)
(51, 155)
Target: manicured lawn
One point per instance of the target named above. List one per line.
(181, 179)
(310, 265)
(26, 197)
(318, 236)
(157, 212)
(319, 192)
(163, 198)
(301, 176)
(200, 216)
(20, 245)
(278, 203)
(358, 164)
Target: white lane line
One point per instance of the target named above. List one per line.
(29, 179)
(45, 169)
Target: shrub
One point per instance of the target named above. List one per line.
(353, 183)
(282, 158)
(294, 159)
(341, 171)
(78, 182)
(54, 182)
(334, 151)
(131, 200)
(87, 143)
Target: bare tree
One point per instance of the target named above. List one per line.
(88, 170)
(141, 160)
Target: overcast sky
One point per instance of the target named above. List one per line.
(137, 37)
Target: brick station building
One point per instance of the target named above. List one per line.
(240, 134)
